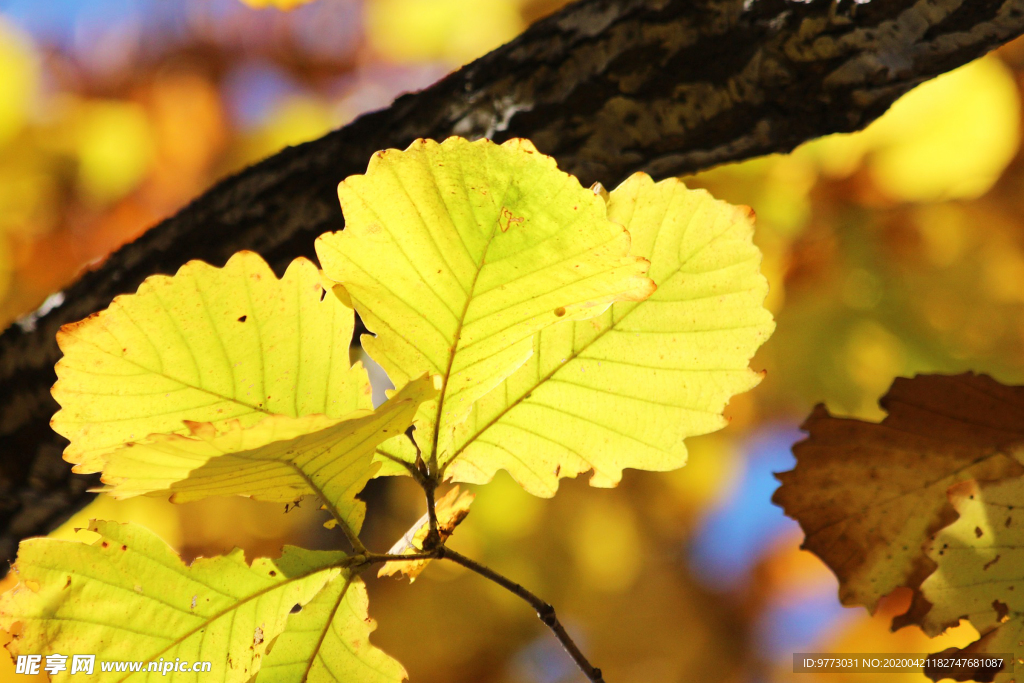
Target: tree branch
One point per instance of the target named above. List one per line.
(608, 87)
(544, 610)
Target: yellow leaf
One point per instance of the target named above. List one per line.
(128, 596)
(328, 642)
(279, 459)
(207, 345)
(456, 254)
(625, 389)
(979, 562)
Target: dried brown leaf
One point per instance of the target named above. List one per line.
(869, 496)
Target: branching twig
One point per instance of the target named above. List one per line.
(377, 558)
(545, 611)
(607, 87)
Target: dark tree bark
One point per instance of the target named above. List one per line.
(607, 87)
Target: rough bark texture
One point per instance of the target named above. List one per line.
(608, 87)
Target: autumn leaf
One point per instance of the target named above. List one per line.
(979, 562)
(279, 459)
(625, 388)
(456, 254)
(450, 509)
(870, 495)
(328, 642)
(206, 345)
(128, 596)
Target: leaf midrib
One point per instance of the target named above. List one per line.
(576, 352)
(237, 605)
(327, 627)
(456, 346)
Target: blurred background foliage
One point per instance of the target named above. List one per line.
(896, 250)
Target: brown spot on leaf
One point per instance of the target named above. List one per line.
(507, 219)
(560, 311)
(242, 319)
(978, 533)
(991, 562)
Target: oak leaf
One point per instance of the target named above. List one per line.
(327, 641)
(456, 254)
(128, 596)
(206, 345)
(870, 495)
(279, 459)
(625, 388)
(979, 562)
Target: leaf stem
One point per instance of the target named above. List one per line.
(357, 545)
(428, 489)
(544, 610)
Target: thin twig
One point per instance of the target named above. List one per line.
(428, 489)
(545, 611)
(374, 558)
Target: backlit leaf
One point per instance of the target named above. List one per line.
(128, 596)
(456, 254)
(980, 572)
(624, 389)
(328, 642)
(279, 459)
(207, 345)
(870, 495)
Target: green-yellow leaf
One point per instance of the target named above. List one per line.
(624, 389)
(128, 596)
(328, 642)
(456, 254)
(979, 573)
(207, 345)
(279, 459)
